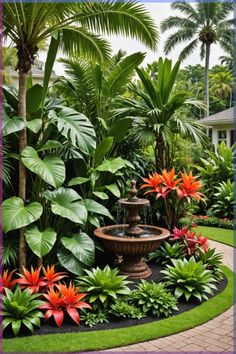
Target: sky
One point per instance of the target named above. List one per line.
(158, 11)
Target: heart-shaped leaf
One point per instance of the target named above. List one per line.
(69, 262)
(11, 125)
(81, 246)
(17, 215)
(51, 169)
(101, 195)
(50, 144)
(111, 165)
(66, 203)
(114, 190)
(95, 207)
(40, 243)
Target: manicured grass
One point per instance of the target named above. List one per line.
(98, 340)
(221, 235)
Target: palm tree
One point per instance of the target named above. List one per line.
(72, 25)
(158, 111)
(206, 23)
(222, 85)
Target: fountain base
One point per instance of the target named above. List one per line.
(135, 268)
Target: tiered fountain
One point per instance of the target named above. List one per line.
(132, 241)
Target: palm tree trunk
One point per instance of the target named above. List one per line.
(207, 60)
(159, 152)
(22, 170)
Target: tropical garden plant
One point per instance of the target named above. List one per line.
(20, 309)
(92, 319)
(204, 24)
(125, 310)
(103, 286)
(213, 260)
(154, 110)
(154, 298)
(166, 252)
(190, 240)
(189, 279)
(176, 193)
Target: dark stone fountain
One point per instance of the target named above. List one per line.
(132, 241)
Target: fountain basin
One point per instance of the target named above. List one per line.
(133, 249)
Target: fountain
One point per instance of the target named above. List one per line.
(132, 241)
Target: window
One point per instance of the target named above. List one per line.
(232, 137)
(222, 136)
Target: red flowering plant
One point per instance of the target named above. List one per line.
(176, 193)
(66, 299)
(190, 239)
(6, 281)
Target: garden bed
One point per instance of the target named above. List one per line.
(115, 323)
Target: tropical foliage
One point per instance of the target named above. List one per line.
(166, 252)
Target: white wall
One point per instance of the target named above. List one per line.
(216, 128)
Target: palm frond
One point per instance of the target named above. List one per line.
(122, 18)
(187, 8)
(177, 38)
(188, 49)
(176, 21)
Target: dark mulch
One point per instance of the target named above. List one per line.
(68, 326)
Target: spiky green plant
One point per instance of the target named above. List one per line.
(224, 200)
(92, 319)
(154, 299)
(189, 279)
(21, 308)
(103, 286)
(213, 262)
(166, 252)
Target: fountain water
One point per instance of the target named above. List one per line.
(132, 240)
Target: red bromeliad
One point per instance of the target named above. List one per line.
(31, 279)
(66, 300)
(6, 281)
(190, 240)
(51, 277)
(176, 193)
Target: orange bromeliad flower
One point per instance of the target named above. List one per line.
(189, 187)
(152, 182)
(6, 281)
(51, 277)
(168, 178)
(31, 279)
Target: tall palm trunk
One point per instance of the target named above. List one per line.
(159, 152)
(22, 170)
(207, 61)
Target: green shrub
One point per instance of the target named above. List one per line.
(213, 262)
(92, 319)
(154, 299)
(166, 252)
(205, 220)
(103, 286)
(224, 200)
(21, 308)
(123, 309)
(189, 279)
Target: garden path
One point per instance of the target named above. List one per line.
(214, 336)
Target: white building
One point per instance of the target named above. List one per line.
(220, 127)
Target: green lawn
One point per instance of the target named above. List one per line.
(98, 340)
(221, 235)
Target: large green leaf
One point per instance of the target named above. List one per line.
(11, 96)
(40, 243)
(16, 214)
(51, 169)
(111, 165)
(50, 144)
(69, 262)
(114, 190)
(34, 98)
(120, 128)
(11, 125)
(34, 125)
(76, 128)
(81, 246)
(66, 203)
(97, 208)
(77, 180)
(102, 148)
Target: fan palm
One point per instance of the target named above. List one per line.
(72, 24)
(156, 111)
(205, 24)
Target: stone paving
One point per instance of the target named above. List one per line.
(214, 336)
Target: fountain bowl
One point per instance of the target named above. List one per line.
(132, 249)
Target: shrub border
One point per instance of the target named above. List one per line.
(105, 339)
